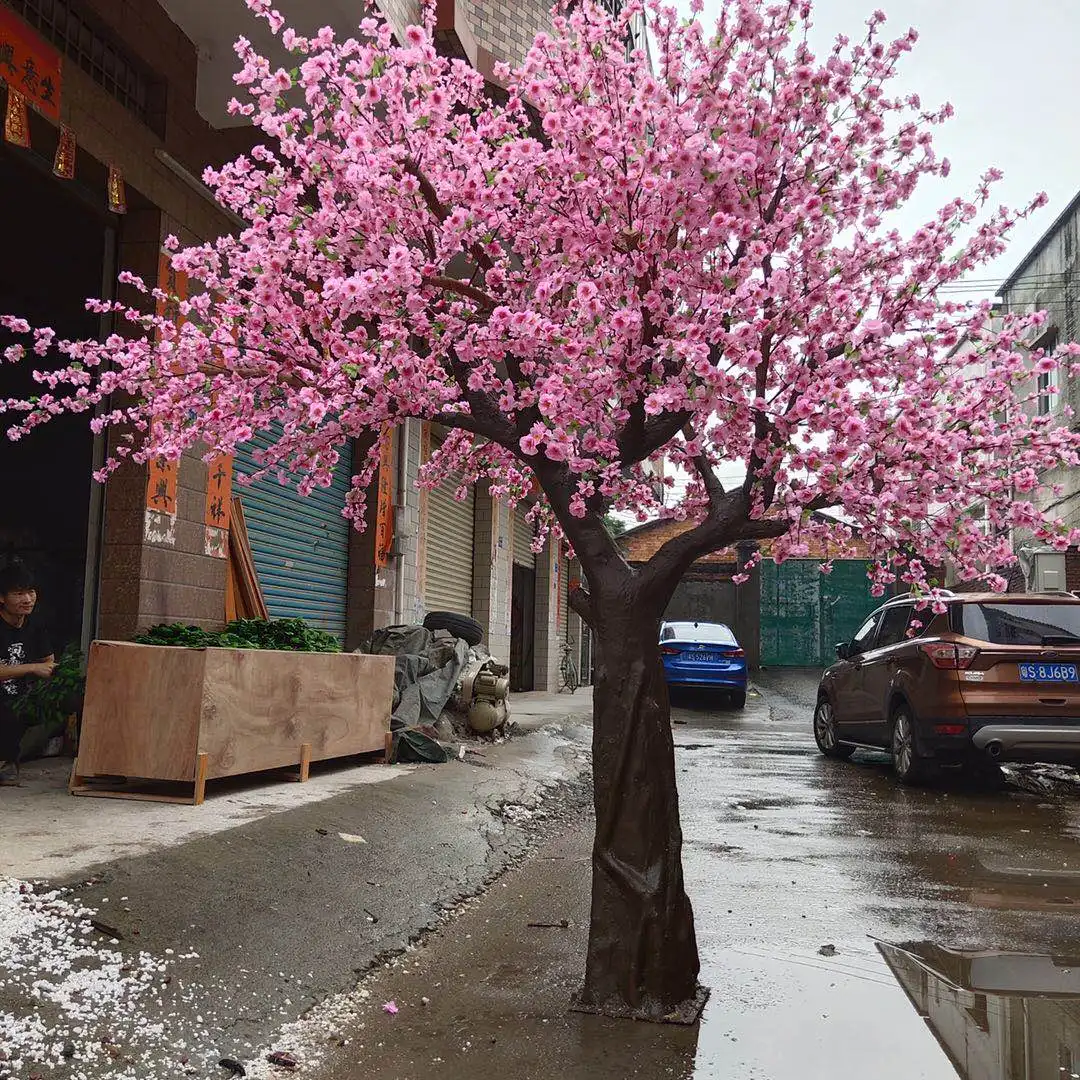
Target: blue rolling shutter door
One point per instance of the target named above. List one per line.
(300, 545)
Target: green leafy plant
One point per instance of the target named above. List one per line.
(290, 635)
(51, 701)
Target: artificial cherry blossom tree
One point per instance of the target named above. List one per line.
(608, 262)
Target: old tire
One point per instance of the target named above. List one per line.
(461, 626)
(908, 764)
(825, 732)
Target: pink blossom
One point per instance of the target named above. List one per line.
(673, 271)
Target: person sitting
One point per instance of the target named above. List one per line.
(26, 654)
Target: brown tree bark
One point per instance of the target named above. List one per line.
(642, 956)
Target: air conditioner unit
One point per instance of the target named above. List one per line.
(1048, 572)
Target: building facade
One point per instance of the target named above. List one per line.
(1048, 279)
(123, 106)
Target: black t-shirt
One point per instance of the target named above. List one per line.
(26, 644)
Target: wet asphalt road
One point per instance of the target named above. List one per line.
(847, 927)
(799, 867)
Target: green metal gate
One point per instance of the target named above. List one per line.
(804, 612)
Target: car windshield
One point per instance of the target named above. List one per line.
(688, 631)
(1019, 624)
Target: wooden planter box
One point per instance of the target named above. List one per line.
(157, 713)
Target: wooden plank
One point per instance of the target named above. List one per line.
(201, 765)
(141, 711)
(260, 705)
(250, 602)
(124, 793)
(304, 770)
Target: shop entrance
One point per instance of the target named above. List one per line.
(53, 257)
(522, 627)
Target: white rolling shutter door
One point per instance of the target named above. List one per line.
(448, 563)
(523, 537)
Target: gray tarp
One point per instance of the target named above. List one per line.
(426, 671)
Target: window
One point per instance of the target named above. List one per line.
(1018, 624)
(894, 624)
(688, 631)
(79, 37)
(1047, 392)
(864, 636)
(1047, 385)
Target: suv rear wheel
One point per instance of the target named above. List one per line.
(825, 732)
(908, 764)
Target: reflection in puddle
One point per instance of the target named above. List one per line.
(999, 1016)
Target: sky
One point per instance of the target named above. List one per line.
(1009, 69)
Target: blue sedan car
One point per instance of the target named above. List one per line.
(704, 655)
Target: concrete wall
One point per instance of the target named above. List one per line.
(707, 594)
(143, 578)
(492, 570)
(486, 31)
(546, 652)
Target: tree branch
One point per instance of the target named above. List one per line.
(462, 288)
(438, 208)
(713, 488)
(581, 602)
(729, 524)
(588, 535)
(466, 422)
(637, 441)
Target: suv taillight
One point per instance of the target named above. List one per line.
(944, 654)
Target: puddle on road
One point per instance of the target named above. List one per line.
(998, 1016)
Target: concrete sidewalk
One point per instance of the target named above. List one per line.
(48, 833)
(226, 921)
(489, 996)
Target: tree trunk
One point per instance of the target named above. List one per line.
(642, 959)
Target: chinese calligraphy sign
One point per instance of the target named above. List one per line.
(384, 526)
(218, 503)
(30, 65)
(218, 492)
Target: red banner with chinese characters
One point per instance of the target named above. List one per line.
(384, 516)
(161, 485)
(175, 284)
(218, 491)
(30, 64)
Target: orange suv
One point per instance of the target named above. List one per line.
(996, 676)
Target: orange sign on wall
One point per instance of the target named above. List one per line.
(218, 491)
(30, 64)
(384, 517)
(175, 284)
(161, 485)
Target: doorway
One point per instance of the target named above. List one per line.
(56, 250)
(522, 627)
